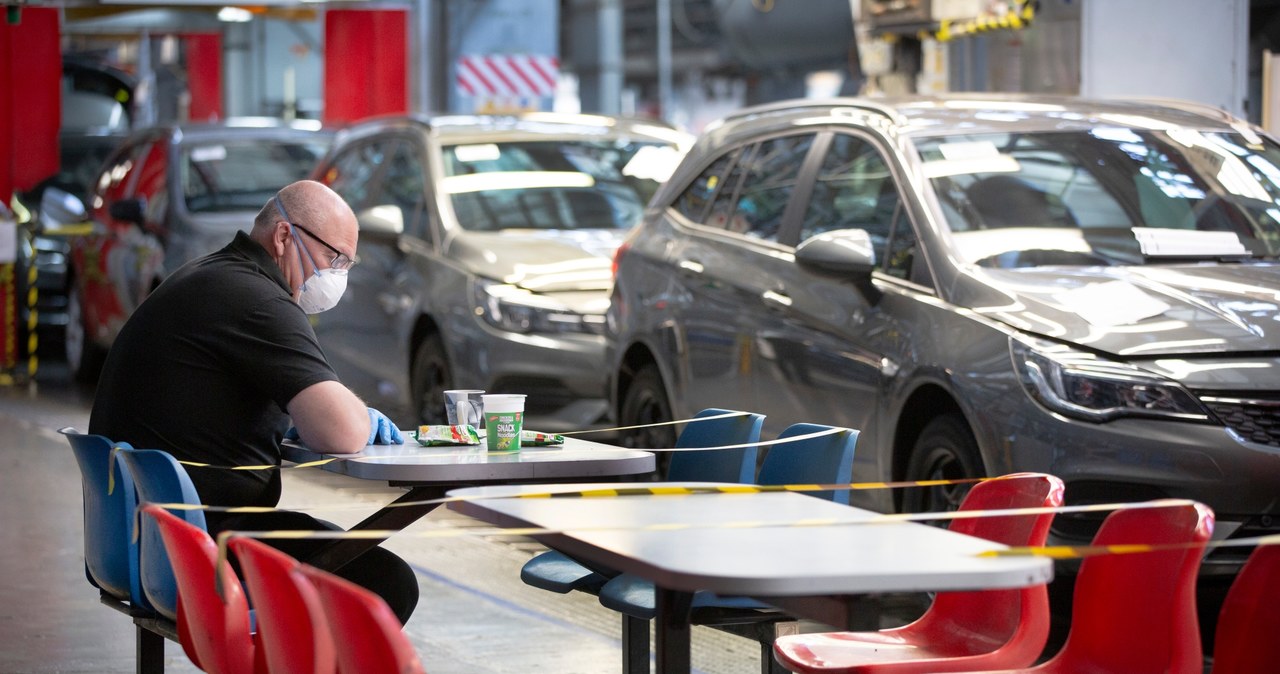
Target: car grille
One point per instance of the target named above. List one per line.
(1253, 419)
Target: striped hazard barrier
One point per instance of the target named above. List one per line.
(507, 75)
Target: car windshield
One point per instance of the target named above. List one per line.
(1107, 196)
(549, 185)
(242, 174)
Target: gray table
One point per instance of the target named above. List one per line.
(430, 472)
(818, 572)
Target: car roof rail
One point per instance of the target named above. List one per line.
(815, 103)
(1243, 126)
(1185, 105)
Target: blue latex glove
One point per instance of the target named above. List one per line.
(382, 431)
(291, 434)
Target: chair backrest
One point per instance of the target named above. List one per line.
(1249, 620)
(723, 465)
(292, 627)
(1136, 612)
(369, 637)
(1013, 621)
(826, 459)
(110, 551)
(159, 478)
(214, 629)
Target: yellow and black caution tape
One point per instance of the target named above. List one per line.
(266, 466)
(618, 492)
(1054, 552)
(761, 443)
(1018, 16)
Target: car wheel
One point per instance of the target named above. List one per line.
(645, 403)
(945, 450)
(84, 358)
(430, 379)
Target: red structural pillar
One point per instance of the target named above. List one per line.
(30, 114)
(31, 107)
(366, 54)
(204, 76)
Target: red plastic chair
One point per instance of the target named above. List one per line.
(1135, 613)
(1249, 621)
(961, 630)
(369, 637)
(214, 630)
(292, 628)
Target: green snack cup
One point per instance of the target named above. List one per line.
(503, 421)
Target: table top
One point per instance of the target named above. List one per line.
(763, 552)
(414, 463)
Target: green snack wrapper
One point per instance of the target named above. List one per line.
(534, 438)
(435, 436)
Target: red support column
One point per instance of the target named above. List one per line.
(365, 63)
(30, 63)
(204, 75)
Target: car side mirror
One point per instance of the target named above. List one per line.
(59, 207)
(841, 253)
(128, 210)
(381, 222)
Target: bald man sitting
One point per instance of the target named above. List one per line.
(220, 361)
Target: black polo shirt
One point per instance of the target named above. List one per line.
(205, 368)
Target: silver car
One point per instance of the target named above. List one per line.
(484, 256)
(982, 285)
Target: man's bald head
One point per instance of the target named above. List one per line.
(314, 206)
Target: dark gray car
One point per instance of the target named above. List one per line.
(485, 251)
(982, 285)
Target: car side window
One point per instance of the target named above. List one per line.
(854, 189)
(695, 199)
(116, 178)
(768, 179)
(350, 174)
(402, 186)
(150, 187)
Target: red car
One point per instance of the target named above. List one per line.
(169, 194)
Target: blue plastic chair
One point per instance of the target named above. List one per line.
(159, 478)
(826, 459)
(110, 551)
(555, 571)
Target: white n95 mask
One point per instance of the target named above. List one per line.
(322, 290)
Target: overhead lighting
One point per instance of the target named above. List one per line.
(234, 15)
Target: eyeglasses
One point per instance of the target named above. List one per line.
(340, 259)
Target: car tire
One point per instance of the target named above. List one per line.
(430, 378)
(945, 450)
(645, 403)
(84, 358)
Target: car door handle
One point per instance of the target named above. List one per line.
(690, 267)
(776, 299)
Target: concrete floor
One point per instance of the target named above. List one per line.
(474, 617)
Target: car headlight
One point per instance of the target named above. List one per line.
(515, 309)
(1084, 386)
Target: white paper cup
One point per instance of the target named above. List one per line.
(464, 406)
(503, 420)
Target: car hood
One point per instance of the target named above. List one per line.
(540, 261)
(1137, 311)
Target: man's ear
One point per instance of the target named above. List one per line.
(279, 239)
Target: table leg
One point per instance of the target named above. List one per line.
(635, 645)
(334, 554)
(672, 631)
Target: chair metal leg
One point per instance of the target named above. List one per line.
(635, 645)
(149, 651)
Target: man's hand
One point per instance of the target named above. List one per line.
(382, 431)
